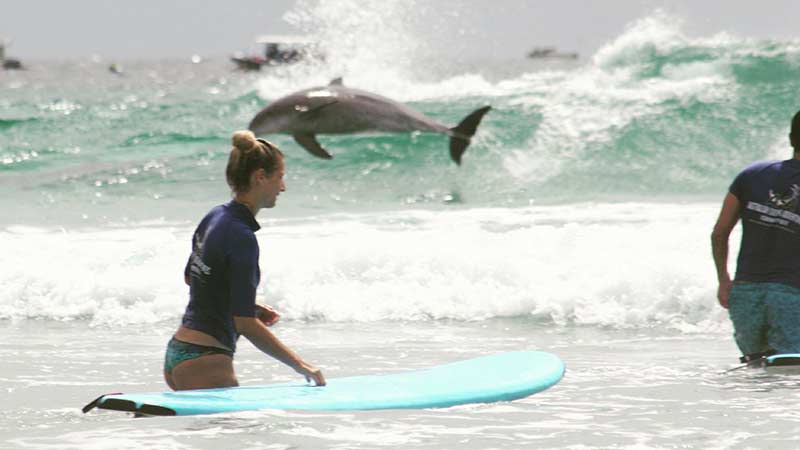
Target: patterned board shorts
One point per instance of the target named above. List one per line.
(765, 316)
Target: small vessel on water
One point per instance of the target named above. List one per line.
(8, 63)
(550, 52)
(277, 50)
(115, 68)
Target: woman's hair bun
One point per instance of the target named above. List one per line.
(248, 155)
(244, 140)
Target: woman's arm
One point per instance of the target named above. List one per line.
(257, 332)
(267, 315)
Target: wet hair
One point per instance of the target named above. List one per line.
(794, 135)
(248, 155)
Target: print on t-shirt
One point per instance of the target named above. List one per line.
(198, 268)
(787, 200)
(781, 210)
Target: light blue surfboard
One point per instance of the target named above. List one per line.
(785, 363)
(500, 377)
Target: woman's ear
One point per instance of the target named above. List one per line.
(259, 175)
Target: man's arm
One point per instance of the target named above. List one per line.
(256, 332)
(186, 275)
(728, 216)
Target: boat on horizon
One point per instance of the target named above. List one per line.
(8, 63)
(277, 50)
(550, 52)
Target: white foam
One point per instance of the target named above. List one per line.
(384, 46)
(109, 276)
(642, 74)
(588, 107)
(392, 85)
(618, 265)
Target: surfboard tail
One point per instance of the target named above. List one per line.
(139, 409)
(462, 133)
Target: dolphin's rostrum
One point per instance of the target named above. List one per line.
(337, 109)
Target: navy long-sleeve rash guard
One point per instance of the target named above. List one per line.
(224, 272)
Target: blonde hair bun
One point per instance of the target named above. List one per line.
(244, 140)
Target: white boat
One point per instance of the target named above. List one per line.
(8, 63)
(277, 49)
(550, 52)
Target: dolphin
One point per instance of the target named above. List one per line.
(337, 109)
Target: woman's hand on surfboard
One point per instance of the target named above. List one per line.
(311, 373)
(267, 315)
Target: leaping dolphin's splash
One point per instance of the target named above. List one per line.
(337, 109)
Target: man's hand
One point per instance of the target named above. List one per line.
(728, 217)
(267, 315)
(724, 292)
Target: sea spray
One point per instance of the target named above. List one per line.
(628, 265)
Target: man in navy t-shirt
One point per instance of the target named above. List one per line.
(764, 298)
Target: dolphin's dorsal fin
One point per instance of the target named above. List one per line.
(336, 82)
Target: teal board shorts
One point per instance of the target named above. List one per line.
(179, 351)
(765, 316)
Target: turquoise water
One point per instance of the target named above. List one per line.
(642, 119)
(578, 223)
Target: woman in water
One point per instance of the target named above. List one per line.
(223, 275)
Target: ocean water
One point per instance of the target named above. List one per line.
(578, 224)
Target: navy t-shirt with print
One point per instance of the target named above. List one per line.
(224, 272)
(769, 193)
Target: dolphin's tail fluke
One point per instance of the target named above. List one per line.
(461, 133)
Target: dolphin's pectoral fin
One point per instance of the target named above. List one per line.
(310, 143)
(336, 82)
